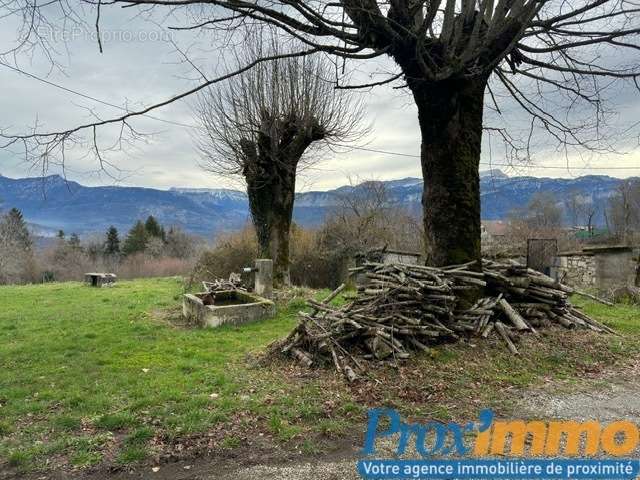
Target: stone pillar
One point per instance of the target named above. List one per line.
(264, 278)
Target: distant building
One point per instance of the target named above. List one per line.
(492, 231)
(497, 243)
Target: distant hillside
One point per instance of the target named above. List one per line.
(51, 203)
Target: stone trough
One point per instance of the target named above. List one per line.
(232, 307)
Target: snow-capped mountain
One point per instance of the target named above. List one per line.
(53, 203)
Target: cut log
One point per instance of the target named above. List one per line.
(331, 296)
(487, 330)
(593, 297)
(514, 316)
(303, 357)
(501, 329)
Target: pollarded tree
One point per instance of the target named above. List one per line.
(448, 53)
(263, 125)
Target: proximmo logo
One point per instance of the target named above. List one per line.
(498, 438)
(489, 449)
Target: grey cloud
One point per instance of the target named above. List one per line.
(138, 67)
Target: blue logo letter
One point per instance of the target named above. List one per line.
(372, 428)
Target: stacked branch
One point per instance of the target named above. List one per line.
(403, 308)
(220, 284)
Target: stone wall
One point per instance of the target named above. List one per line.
(600, 268)
(576, 270)
(400, 257)
(616, 268)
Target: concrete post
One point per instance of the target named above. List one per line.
(264, 278)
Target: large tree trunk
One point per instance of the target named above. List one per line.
(283, 198)
(450, 117)
(270, 170)
(271, 196)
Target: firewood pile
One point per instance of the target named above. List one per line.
(407, 308)
(220, 284)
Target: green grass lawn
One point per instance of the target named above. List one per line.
(102, 376)
(87, 373)
(625, 318)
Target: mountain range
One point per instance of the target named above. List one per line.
(51, 203)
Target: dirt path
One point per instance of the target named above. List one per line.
(611, 396)
(340, 466)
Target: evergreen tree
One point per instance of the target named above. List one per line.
(136, 240)
(112, 244)
(153, 228)
(16, 229)
(74, 242)
(17, 262)
(60, 234)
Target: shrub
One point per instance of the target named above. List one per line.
(143, 265)
(232, 252)
(310, 265)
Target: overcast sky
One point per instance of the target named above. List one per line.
(139, 67)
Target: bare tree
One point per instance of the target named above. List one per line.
(180, 244)
(624, 210)
(452, 55)
(574, 205)
(581, 207)
(590, 211)
(543, 212)
(541, 218)
(366, 218)
(266, 123)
